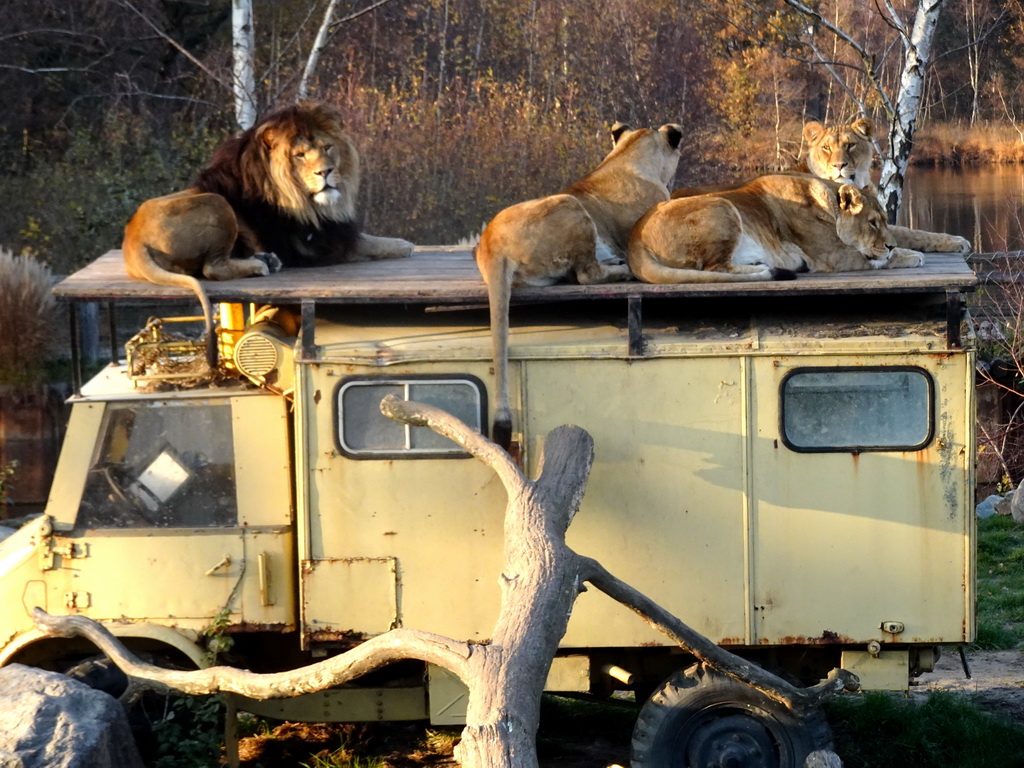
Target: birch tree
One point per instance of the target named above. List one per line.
(243, 44)
(901, 108)
(540, 580)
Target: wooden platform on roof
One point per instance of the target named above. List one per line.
(448, 275)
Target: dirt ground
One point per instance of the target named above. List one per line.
(997, 680)
(997, 683)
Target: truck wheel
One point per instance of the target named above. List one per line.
(700, 718)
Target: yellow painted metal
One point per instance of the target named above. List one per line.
(370, 588)
(884, 671)
(74, 462)
(693, 497)
(845, 541)
(349, 705)
(259, 427)
(448, 696)
(664, 504)
(440, 519)
(232, 326)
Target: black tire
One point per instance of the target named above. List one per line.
(700, 718)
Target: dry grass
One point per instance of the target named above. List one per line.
(956, 144)
(26, 319)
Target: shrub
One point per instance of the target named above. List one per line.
(26, 317)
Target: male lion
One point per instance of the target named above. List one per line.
(766, 230)
(581, 232)
(281, 192)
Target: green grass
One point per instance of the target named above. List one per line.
(1000, 583)
(940, 731)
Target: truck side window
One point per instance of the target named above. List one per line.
(363, 432)
(857, 409)
(162, 464)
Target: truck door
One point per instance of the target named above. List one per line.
(861, 498)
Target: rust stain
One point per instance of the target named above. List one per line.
(252, 626)
(828, 637)
(345, 637)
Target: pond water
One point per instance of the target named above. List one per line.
(984, 204)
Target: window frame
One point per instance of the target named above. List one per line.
(856, 449)
(405, 380)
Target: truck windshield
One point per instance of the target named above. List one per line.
(162, 464)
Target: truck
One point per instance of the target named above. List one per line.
(787, 467)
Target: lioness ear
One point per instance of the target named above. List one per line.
(813, 130)
(863, 127)
(673, 134)
(850, 199)
(617, 130)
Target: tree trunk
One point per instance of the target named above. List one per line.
(540, 580)
(917, 47)
(319, 44)
(244, 68)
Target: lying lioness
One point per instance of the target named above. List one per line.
(766, 230)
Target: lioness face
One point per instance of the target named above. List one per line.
(840, 152)
(861, 223)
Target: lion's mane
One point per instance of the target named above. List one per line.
(253, 172)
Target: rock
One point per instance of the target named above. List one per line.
(1017, 504)
(48, 720)
(823, 758)
(987, 507)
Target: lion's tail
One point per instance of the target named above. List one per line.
(499, 276)
(140, 265)
(654, 271)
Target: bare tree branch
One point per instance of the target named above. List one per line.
(370, 655)
(420, 415)
(711, 654)
(174, 43)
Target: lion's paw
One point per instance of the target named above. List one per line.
(904, 258)
(963, 246)
(271, 261)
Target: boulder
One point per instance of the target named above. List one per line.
(987, 507)
(49, 720)
(1017, 504)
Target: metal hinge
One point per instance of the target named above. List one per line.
(76, 601)
(68, 551)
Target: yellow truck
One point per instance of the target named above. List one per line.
(787, 467)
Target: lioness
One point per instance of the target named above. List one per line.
(581, 232)
(766, 230)
(839, 152)
(281, 192)
(843, 152)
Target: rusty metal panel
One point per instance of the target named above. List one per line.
(349, 595)
(440, 520)
(189, 575)
(664, 507)
(884, 671)
(844, 542)
(342, 705)
(262, 460)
